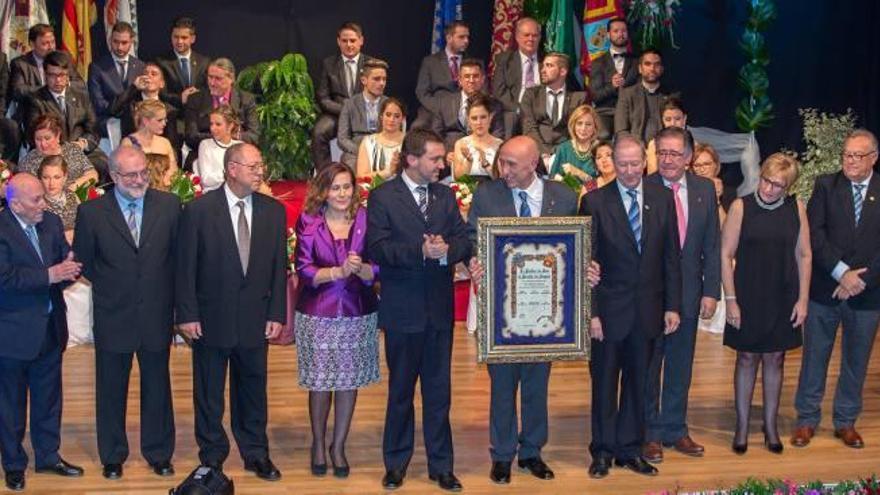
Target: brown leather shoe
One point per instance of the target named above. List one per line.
(653, 452)
(802, 436)
(687, 446)
(850, 437)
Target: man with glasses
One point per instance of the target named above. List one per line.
(231, 292)
(844, 218)
(126, 241)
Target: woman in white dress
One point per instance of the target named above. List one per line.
(474, 154)
(379, 154)
(209, 166)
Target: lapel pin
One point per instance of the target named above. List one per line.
(647, 207)
(870, 198)
(699, 199)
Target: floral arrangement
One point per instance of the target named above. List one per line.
(569, 180)
(653, 21)
(88, 191)
(186, 186)
(751, 486)
(291, 249)
(367, 184)
(464, 188)
(824, 134)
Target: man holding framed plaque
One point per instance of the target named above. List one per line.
(519, 192)
(635, 241)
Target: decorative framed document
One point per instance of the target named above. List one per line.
(534, 299)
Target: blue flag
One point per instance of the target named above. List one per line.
(445, 11)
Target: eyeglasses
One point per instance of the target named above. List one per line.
(253, 167)
(776, 184)
(143, 174)
(57, 75)
(669, 154)
(856, 157)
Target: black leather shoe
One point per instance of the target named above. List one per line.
(342, 470)
(500, 473)
(319, 470)
(216, 466)
(15, 480)
(164, 468)
(264, 469)
(393, 479)
(637, 465)
(599, 467)
(537, 467)
(446, 481)
(112, 471)
(62, 468)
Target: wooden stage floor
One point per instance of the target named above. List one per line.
(711, 421)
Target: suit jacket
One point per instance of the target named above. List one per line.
(197, 115)
(132, 285)
(105, 85)
(445, 120)
(835, 237)
(701, 253)
(631, 113)
(495, 199)
(415, 292)
(174, 83)
(25, 82)
(80, 121)
(332, 91)
(25, 291)
(601, 71)
(210, 286)
(434, 79)
(352, 125)
(538, 124)
(4, 83)
(636, 286)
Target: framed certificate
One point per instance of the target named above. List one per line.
(533, 300)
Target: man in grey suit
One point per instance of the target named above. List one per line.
(697, 217)
(439, 72)
(360, 113)
(612, 71)
(338, 82)
(639, 107)
(517, 70)
(450, 120)
(519, 192)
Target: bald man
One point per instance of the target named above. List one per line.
(36, 263)
(519, 192)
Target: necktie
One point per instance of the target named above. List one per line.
(453, 68)
(350, 67)
(524, 210)
(131, 220)
(372, 116)
(41, 73)
(634, 214)
(423, 200)
(679, 212)
(244, 238)
(530, 74)
(32, 236)
(858, 200)
(62, 104)
(121, 66)
(184, 71)
(554, 108)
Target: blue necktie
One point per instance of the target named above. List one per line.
(858, 200)
(184, 71)
(524, 210)
(32, 236)
(634, 214)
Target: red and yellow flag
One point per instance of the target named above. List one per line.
(76, 37)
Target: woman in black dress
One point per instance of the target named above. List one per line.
(767, 292)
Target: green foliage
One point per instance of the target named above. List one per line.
(761, 14)
(754, 114)
(824, 134)
(755, 48)
(751, 486)
(755, 110)
(753, 78)
(653, 22)
(286, 109)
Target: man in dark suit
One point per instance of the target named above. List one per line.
(439, 72)
(696, 210)
(519, 192)
(845, 289)
(231, 297)
(185, 70)
(126, 243)
(221, 91)
(639, 107)
(340, 80)
(612, 71)
(360, 113)
(10, 133)
(416, 235)
(450, 119)
(72, 106)
(635, 241)
(112, 74)
(517, 70)
(35, 265)
(545, 109)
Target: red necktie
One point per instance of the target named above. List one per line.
(679, 212)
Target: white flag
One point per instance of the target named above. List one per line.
(121, 10)
(15, 20)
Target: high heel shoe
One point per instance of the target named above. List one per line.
(339, 471)
(318, 469)
(739, 448)
(775, 448)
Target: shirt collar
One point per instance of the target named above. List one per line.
(356, 58)
(623, 189)
(24, 225)
(560, 90)
(535, 189)
(232, 199)
(866, 181)
(187, 56)
(410, 184)
(124, 202)
(449, 54)
(616, 51)
(56, 95)
(116, 59)
(682, 181)
(523, 58)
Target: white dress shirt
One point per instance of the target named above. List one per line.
(233, 200)
(535, 194)
(550, 98)
(536, 73)
(627, 201)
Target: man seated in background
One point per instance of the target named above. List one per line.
(360, 113)
(438, 73)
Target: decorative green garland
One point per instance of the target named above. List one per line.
(755, 110)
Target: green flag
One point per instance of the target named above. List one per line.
(560, 31)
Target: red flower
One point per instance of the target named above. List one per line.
(196, 180)
(93, 193)
(198, 194)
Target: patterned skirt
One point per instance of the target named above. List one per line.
(337, 353)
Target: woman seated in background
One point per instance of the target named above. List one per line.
(150, 117)
(336, 339)
(379, 154)
(159, 167)
(605, 173)
(209, 166)
(575, 155)
(474, 154)
(672, 114)
(45, 134)
(59, 199)
(706, 164)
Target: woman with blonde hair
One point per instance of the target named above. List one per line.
(150, 117)
(574, 156)
(159, 167)
(224, 128)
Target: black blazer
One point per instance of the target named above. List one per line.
(331, 92)
(434, 78)
(174, 84)
(602, 69)
(538, 124)
(132, 286)
(80, 121)
(834, 237)
(24, 286)
(4, 83)
(414, 292)
(495, 199)
(25, 82)
(197, 115)
(445, 120)
(105, 85)
(701, 254)
(636, 287)
(210, 287)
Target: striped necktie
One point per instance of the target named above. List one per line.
(634, 214)
(858, 200)
(423, 200)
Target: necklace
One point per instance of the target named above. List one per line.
(769, 206)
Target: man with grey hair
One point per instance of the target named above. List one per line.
(221, 91)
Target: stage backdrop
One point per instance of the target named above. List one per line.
(823, 54)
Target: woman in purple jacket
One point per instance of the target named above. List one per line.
(336, 337)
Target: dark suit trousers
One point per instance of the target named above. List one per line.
(111, 398)
(618, 427)
(247, 398)
(505, 436)
(667, 399)
(423, 356)
(323, 132)
(606, 118)
(41, 377)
